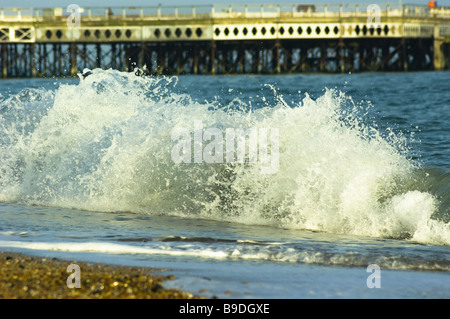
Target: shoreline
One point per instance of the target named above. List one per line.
(27, 277)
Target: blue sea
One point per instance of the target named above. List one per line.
(130, 170)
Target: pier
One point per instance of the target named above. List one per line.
(224, 39)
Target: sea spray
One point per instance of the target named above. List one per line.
(105, 145)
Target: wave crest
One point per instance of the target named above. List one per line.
(105, 144)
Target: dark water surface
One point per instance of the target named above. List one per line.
(363, 178)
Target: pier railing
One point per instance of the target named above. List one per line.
(221, 11)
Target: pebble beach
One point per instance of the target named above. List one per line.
(26, 277)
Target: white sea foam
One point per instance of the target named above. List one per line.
(111, 248)
(275, 253)
(105, 144)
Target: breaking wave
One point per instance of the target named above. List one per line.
(105, 144)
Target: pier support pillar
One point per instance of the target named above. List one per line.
(142, 56)
(213, 57)
(4, 61)
(73, 59)
(276, 57)
(438, 55)
(99, 55)
(195, 58)
(341, 49)
(33, 60)
(404, 56)
(438, 51)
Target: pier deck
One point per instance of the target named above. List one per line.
(224, 39)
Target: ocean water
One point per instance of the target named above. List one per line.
(341, 191)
